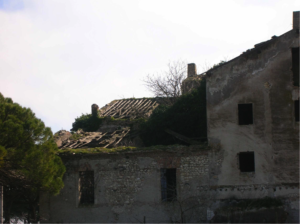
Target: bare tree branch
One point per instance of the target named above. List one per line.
(167, 84)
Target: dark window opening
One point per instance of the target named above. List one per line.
(295, 65)
(246, 160)
(296, 106)
(86, 183)
(168, 184)
(245, 114)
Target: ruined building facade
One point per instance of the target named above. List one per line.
(252, 153)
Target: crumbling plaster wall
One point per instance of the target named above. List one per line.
(263, 77)
(128, 187)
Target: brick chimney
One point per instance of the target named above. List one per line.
(296, 21)
(192, 70)
(95, 109)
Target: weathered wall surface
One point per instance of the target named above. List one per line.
(128, 188)
(263, 77)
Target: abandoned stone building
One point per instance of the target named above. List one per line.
(247, 172)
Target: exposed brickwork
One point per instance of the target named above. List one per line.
(192, 70)
(95, 109)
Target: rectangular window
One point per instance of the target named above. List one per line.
(86, 190)
(168, 184)
(245, 114)
(246, 161)
(295, 65)
(296, 110)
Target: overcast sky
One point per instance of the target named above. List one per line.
(58, 57)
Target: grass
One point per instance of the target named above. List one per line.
(75, 136)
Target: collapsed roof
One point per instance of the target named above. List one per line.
(111, 134)
(129, 108)
(82, 139)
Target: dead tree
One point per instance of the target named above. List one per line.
(167, 85)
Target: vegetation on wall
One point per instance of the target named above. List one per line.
(90, 123)
(218, 64)
(187, 116)
(87, 122)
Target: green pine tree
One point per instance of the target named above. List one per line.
(28, 160)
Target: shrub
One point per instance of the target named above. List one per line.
(187, 116)
(87, 122)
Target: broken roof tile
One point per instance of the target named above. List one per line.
(94, 139)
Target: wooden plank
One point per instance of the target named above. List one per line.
(115, 108)
(150, 107)
(128, 105)
(111, 107)
(122, 136)
(131, 106)
(130, 110)
(141, 104)
(145, 106)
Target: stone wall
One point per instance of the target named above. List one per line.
(128, 187)
(262, 77)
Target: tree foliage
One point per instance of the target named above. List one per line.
(187, 116)
(27, 152)
(87, 122)
(28, 147)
